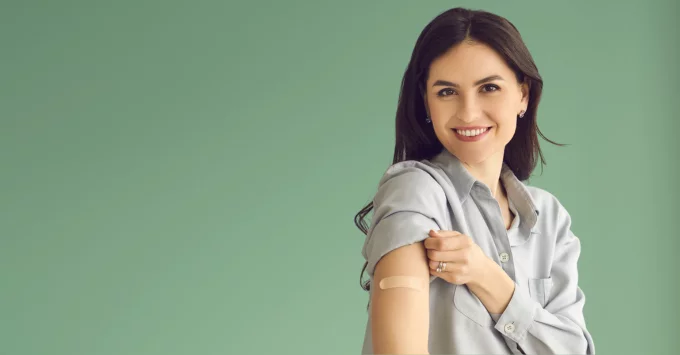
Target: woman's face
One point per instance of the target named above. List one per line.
(470, 90)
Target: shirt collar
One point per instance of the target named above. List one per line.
(463, 183)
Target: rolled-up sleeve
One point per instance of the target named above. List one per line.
(409, 202)
(558, 327)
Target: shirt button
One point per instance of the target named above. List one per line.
(509, 328)
(505, 257)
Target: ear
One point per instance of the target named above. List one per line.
(524, 89)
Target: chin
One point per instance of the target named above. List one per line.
(473, 157)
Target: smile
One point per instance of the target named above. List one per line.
(471, 135)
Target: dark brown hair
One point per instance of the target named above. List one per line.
(415, 139)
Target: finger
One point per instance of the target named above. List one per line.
(448, 268)
(433, 265)
(456, 242)
(443, 233)
(439, 243)
(451, 256)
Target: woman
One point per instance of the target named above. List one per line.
(497, 258)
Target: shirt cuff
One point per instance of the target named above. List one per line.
(518, 316)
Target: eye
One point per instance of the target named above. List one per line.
(491, 87)
(447, 90)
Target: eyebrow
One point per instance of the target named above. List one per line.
(478, 82)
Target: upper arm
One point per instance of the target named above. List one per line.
(400, 316)
(409, 203)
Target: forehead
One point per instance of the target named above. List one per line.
(468, 62)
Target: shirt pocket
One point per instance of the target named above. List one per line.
(469, 305)
(539, 289)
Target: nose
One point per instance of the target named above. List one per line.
(468, 110)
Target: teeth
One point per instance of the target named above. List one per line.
(471, 133)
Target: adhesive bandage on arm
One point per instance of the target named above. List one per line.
(415, 283)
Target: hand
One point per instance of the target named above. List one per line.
(465, 260)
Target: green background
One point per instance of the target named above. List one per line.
(182, 177)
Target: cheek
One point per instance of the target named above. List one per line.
(503, 115)
(506, 123)
(507, 126)
(502, 105)
(506, 132)
(440, 108)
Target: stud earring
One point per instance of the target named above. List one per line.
(428, 120)
(521, 114)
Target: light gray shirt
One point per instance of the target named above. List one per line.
(539, 252)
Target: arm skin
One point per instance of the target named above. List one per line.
(400, 316)
(495, 289)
